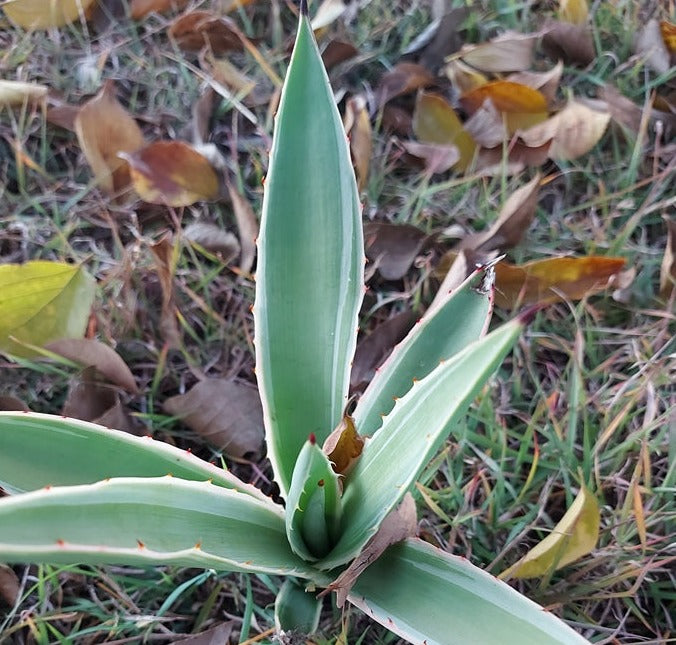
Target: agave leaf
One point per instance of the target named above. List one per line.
(428, 596)
(409, 437)
(313, 504)
(309, 282)
(296, 609)
(442, 332)
(38, 450)
(147, 521)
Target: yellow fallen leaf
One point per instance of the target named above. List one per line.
(574, 11)
(575, 535)
(358, 127)
(16, 92)
(44, 14)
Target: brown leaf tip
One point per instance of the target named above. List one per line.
(140, 544)
(312, 438)
(303, 7)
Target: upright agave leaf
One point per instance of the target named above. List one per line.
(309, 282)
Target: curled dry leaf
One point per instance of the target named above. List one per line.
(214, 239)
(343, 446)
(403, 78)
(92, 353)
(574, 536)
(165, 254)
(397, 120)
(651, 46)
(437, 157)
(574, 11)
(546, 82)
(668, 267)
(11, 403)
(509, 52)
(18, 92)
(397, 526)
(358, 127)
(464, 77)
(105, 130)
(622, 110)
(338, 51)
(435, 121)
(573, 131)
(118, 417)
(225, 413)
(573, 44)
(42, 14)
(10, 587)
(513, 222)
(247, 225)
(88, 397)
(197, 29)
(487, 126)
(172, 173)
(392, 247)
(141, 8)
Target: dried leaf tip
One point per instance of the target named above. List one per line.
(303, 7)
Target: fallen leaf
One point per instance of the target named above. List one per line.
(573, 44)
(214, 239)
(197, 29)
(652, 48)
(622, 110)
(668, 267)
(104, 130)
(397, 526)
(88, 397)
(435, 121)
(437, 157)
(165, 253)
(41, 14)
(92, 353)
(521, 105)
(397, 120)
(117, 417)
(18, 93)
(464, 77)
(444, 38)
(227, 74)
(41, 302)
(574, 536)
(226, 414)
(106, 14)
(513, 222)
(11, 403)
(668, 31)
(172, 173)
(343, 446)
(376, 347)
(328, 12)
(202, 110)
(487, 126)
(517, 156)
(574, 11)
(573, 131)
(546, 82)
(358, 127)
(403, 78)
(338, 51)
(247, 225)
(10, 587)
(141, 8)
(509, 52)
(218, 635)
(392, 247)
(553, 279)
(62, 114)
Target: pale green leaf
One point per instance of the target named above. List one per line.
(442, 332)
(41, 302)
(297, 610)
(409, 437)
(38, 450)
(428, 596)
(309, 282)
(148, 522)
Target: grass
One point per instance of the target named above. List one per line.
(587, 396)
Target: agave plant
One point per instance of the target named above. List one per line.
(81, 493)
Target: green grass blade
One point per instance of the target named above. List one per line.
(38, 450)
(309, 282)
(147, 521)
(409, 437)
(441, 333)
(428, 596)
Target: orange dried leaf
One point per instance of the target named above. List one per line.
(668, 31)
(44, 14)
(343, 446)
(403, 78)
(105, 129)
(172, 173)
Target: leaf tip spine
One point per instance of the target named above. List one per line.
(60, 543)
(303, 8)
(198, 546)
(140, 544)
(312, 438)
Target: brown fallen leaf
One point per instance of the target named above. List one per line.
(227, 414)
(62, 114)
(397, 526)
(512, 224)
(247, 225)
(668, 31)
(573, 131)
(18, 92)
(106, 14)
(546, 82)
(202, 110)
(464, 77)
(376, 347)
(574, 536)
(573, 44)
(172, 173)
(487, 126)
(117, 417)
(403, 78)
(651, 47)
(92, 353)
(574, 11)
(358, 127)
(39, 14)
(10, 587)
(343, 446)
(668, 266)
(397, 120)
(517, 155)
(11, 403)
(509, 52)
(141, 8)
(214, 239)
(225, 73)
(217, 635)
(88, 397)
(392, 247)
(338, 51)
(437, 157)
(435, 121)
(444, 40)
(165, 254)
(622, 110)
(104, 130)
(197, 29)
